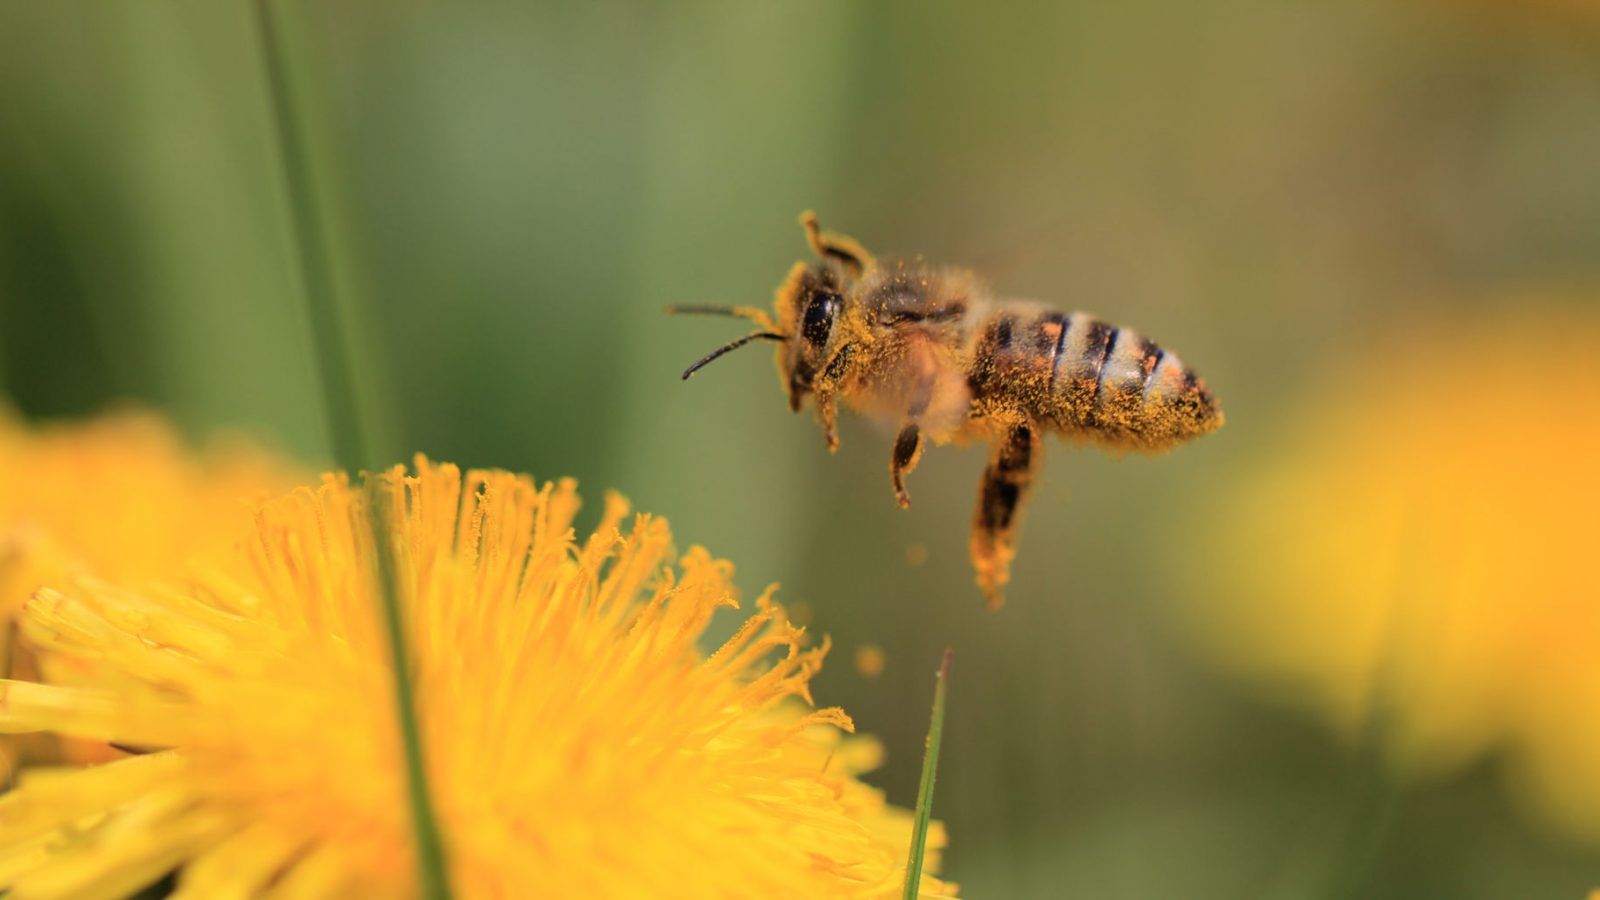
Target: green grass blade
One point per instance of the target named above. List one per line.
(930, 764)
(430, 846)
(348, 430)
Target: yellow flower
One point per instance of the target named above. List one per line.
(578, 744)
(121, 497)
(1417, 556)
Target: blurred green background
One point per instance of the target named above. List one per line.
(1263, 187)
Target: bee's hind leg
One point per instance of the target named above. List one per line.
(1012, 463)
(907, 451)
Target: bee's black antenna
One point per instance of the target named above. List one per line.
(732, 312)
(731, 346)
(754, 314)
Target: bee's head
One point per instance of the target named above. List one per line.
(809, 305)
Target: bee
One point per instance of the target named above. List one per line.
(931, 351)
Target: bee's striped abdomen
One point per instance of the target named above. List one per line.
(1014, 359)
(1116, 387)
(1078, 366)
(1086, 378)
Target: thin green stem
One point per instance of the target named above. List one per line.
(430, 847)
(347, 429)
(930, 765)
(1375, 805)
(1376, 792)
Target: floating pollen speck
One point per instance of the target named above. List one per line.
(870, 661)
(916, 555)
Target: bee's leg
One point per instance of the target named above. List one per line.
(1005, 484)
(828, 412)
(908, 443)
(825, 387)
(907, 450)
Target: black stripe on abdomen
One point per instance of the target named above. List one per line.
(1062, 322)
(1150, 360)
(988, 371)
(1076, 371)
(1111, 334)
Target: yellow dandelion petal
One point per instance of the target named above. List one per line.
(119, 497)
(118, 856)
(579, 743)
(122, 497)
(241, 865)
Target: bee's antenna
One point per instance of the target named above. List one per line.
(731, 346)
(733, 312)
(754, 314)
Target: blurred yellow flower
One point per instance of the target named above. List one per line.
(578, 744)
(1417, 555)
(121, 497)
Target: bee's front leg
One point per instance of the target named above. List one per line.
(1012, 463)
(826, 387)
(828, 413)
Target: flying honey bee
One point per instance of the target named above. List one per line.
(931, 351)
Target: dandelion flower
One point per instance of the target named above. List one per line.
(577, 742)
(1418, 552)
(121, 497)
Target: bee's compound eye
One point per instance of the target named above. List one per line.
(819, 318)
